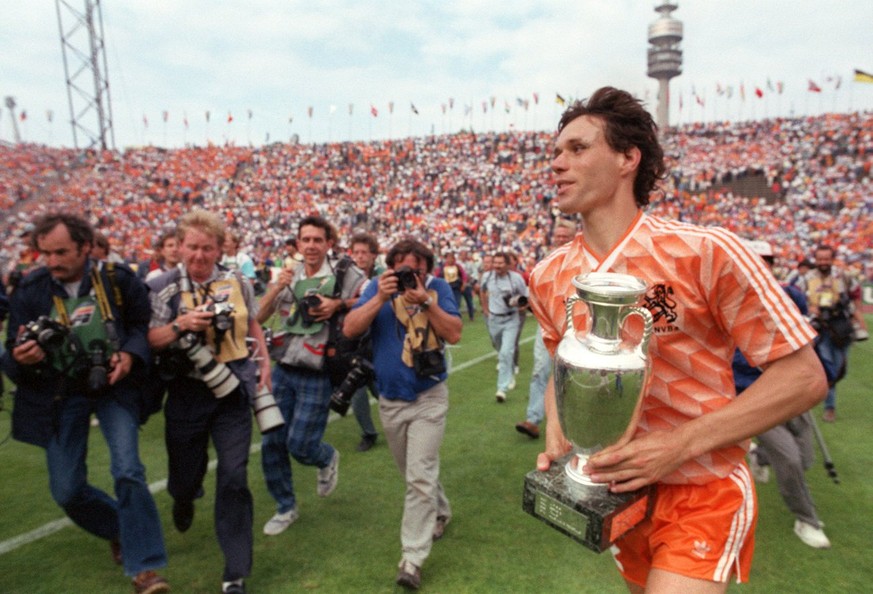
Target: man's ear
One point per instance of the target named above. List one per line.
(632, 158)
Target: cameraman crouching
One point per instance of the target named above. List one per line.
(76, 346)
(410, 314)
(201, 316)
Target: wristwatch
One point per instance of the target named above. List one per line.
(427, 303)
(176, 328)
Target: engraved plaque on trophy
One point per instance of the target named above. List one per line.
(599, 383)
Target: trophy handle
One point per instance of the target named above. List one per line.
(571, 301)
(648, 324)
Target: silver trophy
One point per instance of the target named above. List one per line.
(599, 382)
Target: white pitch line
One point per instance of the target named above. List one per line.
(50, 528)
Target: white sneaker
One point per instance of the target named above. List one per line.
(511, 385)
(761, 474)
(280, 522)
(328, 476)
(501, 396)
(810, 535)
(515, 370)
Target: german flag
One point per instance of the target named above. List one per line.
(863, 77)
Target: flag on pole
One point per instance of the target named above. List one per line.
(536, 98)
(391, 107)
(145, 120)
(863, 77)
(814, 88)
(451, 103)
(23, 116)
(484, 107)
(374, 111)
(759, 92)
(185, 120)
(229, 117)
(351, 108)
(49, 115)
(250, 114)
(412, 107)
(166, 116)
(207, 117)
(309, 111)
(779, 86)
(559, 100)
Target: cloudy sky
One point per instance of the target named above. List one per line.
(265, 63)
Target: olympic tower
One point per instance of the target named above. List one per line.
(665, 56)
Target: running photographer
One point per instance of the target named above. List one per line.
(201, 316)
(834, 304)
(307, 301)
(410, 314)
(76, 346)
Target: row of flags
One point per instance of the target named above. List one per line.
(720, 90)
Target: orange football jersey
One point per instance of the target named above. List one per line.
(708, 294)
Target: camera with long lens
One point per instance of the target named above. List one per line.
(308, 302)
(359, 376)
(216, 374)
(48, 334)
(98, 368)
(267, 412)
(406, 278)
(515, 301)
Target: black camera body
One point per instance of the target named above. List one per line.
(406, 278)
(48, 334)
(98, 368)
(515, 300)
(308, 302)
(360, 375)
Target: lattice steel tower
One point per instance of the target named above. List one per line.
(86, 73)
(665, 57)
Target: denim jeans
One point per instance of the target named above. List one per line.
(303, 397)
(132, 517)
(539, 378)
(361, 408)
(834, 357)
(504, 330)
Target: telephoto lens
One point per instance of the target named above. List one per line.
(216, 374)
(267, 412)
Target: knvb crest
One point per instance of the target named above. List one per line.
(659, 301)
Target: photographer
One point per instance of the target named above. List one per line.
(201, 316)
(834, 304)
(503, 295)
(76, 346)
(306, 301)
(410, 314)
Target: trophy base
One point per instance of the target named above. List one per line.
(590, 515)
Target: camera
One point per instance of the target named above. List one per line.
(47, 333)
(361, 373)
(267, 412)
(216, 374)
(223, 314)
(406, 278)
(515, 300)
(98, 368)
(308, 302)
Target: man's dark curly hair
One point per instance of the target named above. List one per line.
(80, 231)
(626, 124)
(407, 246)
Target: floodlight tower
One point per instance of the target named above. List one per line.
(10, 105)
(665, 56)
(86, 73)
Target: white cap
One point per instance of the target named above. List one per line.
(761, 247)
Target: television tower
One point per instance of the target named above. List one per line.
(86, 73)
(665, 57)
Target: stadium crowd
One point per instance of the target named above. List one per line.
(476, 192)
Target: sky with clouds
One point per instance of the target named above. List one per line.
(276, 59)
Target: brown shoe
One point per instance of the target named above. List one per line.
(440, 527)
(409, 575)
(829, 415)
(148, 582)
(528, 429)
(115, 549)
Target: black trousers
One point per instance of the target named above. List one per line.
(193, 415)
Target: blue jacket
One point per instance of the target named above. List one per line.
(37, 386)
